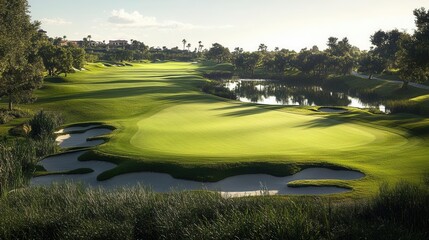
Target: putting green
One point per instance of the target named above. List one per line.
(232, 130)
(163, 118)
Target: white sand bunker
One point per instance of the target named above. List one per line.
(81, 139)
(236, 186)
(331, 110)
(77, 128)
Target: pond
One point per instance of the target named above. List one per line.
(271, 92)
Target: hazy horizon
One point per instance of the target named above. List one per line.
(242, 23)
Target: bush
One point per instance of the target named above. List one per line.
(6, 115)
(403, 106)
(44, 123)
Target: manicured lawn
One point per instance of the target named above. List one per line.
(165, 123)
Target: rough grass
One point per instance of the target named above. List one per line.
(162, 117)
(72, 212)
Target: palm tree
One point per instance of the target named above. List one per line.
(64, 37)
(89, 40)
(262, 47)
(199, 46)
(184, 43)
(85, 42)
(188, 46)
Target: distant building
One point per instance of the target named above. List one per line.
(76, 43)
(118, 43)
(63, 43)
(95, 43)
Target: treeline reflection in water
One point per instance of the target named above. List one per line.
(280, 93)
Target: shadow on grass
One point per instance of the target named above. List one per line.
(115, 93)
(188, 98)
(322, 122)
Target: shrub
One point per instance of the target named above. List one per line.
(44, 123)
(6, 115)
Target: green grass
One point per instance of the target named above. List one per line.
(73, 212)
(164, 122)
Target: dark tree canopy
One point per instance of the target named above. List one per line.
(371, 64)
(387, 44)
(218, 53)
(20, 65)
(413, 56)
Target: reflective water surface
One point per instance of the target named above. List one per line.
(279, 93)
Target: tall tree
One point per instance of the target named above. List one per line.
(89, 37)
(262, 47)
(200, 46)
(414, 54)
(48, 54)
(184, 43)
(387, 45)
(218, 53)
(371, 63)
(20, 66)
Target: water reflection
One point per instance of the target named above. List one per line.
(280, 93)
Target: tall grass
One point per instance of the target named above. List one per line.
(16, 159)
(19, 157)
(73, 212)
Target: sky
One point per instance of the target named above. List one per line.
(290, 24)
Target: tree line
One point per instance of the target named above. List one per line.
(26, 53)
(408, 54)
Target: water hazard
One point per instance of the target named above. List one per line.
(279, 93)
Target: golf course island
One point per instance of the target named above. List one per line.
(162, 122)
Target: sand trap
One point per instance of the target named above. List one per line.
(236, 186)
(76, 128)
(69, 161)
(331, 110)
(80, 139)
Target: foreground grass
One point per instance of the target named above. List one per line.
(165, 123)
(72, 212)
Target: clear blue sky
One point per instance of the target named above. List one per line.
(292, 24)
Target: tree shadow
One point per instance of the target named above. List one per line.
(245, 109)
(188, 98)
(129, 82)
(322, 122)
(115, 93)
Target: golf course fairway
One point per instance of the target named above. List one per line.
(164, 123)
